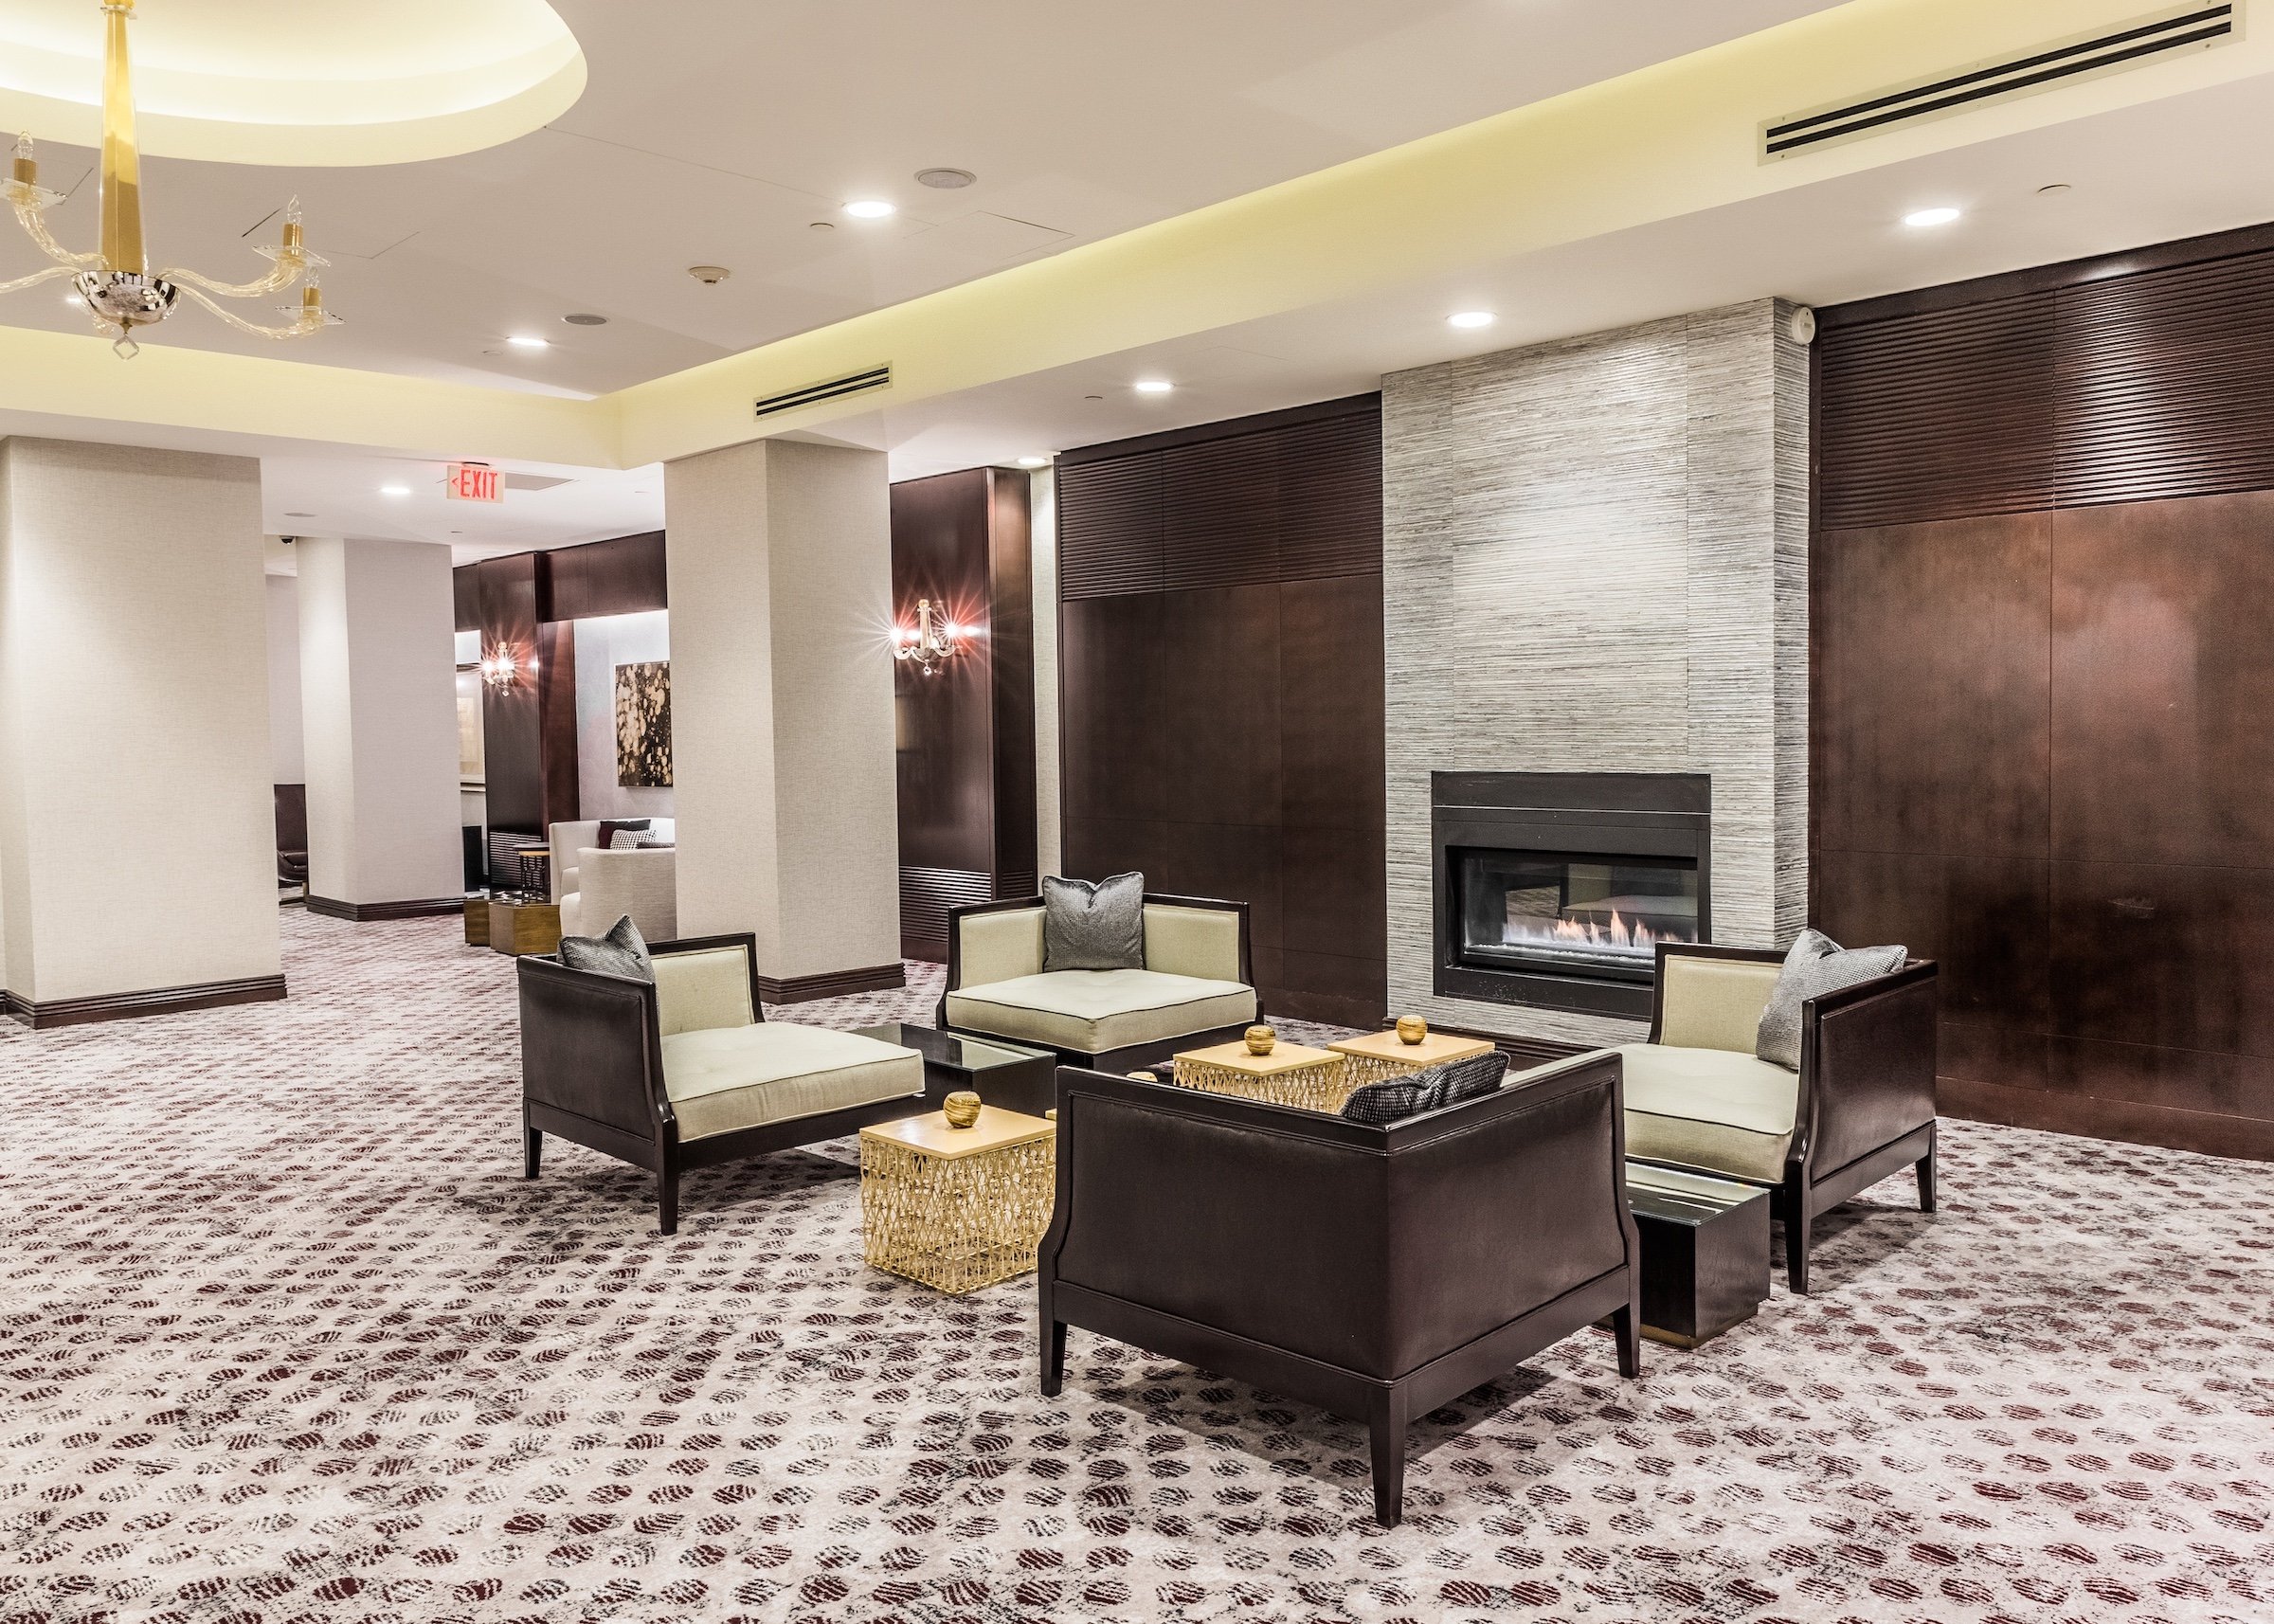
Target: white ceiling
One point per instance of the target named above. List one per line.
(720, 131)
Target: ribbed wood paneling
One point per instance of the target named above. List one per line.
(1938, 414)
(926, 895)
(2163, 384)
(1220, 512)
(1110, 522)
(1330, 498)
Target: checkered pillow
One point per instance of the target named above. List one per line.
(1431, 1089)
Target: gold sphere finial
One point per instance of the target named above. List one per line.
(961, 1108)
(1412, 1029)
(1261, 1040)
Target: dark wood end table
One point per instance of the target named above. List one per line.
(1705, 1251)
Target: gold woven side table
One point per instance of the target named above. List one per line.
(957, 1208)
(1380, 1055)
(1290, 1074)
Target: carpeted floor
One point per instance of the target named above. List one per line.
(285, 1336)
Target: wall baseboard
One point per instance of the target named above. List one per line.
(2057, 1110)
(132, 1005)
(832, 984)
(363, 912)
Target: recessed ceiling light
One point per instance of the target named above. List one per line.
(1472, 319)
(870, 209)
(710, 276)
(1919, 219)
(529, 341)
(1034, 461)
(585, 318)
(944, 180)
(300, 515)
(1153, 386)
(823, 226)
(2055, 190)
(394, 490)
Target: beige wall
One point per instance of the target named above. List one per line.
(137, 838)
(782, 703)
(379, 720)
(285, 680)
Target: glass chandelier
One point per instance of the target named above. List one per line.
(117, 283)
(931, 642)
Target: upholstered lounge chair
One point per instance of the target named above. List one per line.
(687, 1072)
(643, 884)
(1197, 986)
(570, 841)
(1375, 1272)
(1861, 1107)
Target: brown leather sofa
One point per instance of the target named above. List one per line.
(1374, 1272)
(686, 1071)
(1861, 1107)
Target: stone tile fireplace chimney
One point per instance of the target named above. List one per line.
(1595, 567)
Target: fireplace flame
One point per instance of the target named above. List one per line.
(1618, 936)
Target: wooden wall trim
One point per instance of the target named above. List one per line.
(365, 912)
(2045, 279)
(1206, 433)
(831, 983)
(133, 1005)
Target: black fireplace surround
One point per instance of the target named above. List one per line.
(1553, 888)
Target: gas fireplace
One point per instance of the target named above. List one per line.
(1554, 889)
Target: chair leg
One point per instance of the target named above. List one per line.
(1054, 1356)
(1925, 1169)
(532, 1151)
(1795, 1247)
(667, 1199)
(1385, 1433)
(1626, 1325)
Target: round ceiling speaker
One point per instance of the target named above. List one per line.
(710, 276)
(944, 180)
(585, 318)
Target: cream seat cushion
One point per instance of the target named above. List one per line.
(1095, 1010)
(725, 1078)
(1711, 1109)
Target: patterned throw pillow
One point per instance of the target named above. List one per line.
(1434, 1089)
(611, 827)
(621, 953)
(1098, 927)
(633, 839)
(1816, 964)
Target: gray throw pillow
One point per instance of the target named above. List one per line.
(1088, 927)
(1815, 965)
(621, 953)
(1394, 1099)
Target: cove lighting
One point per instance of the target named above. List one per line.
(870, 209)
(1153, 386)
(1923, 218)
(1472, 319)
(529, 341)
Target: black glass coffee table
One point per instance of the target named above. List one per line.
(1002, 1074)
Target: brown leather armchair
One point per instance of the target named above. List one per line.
(1374, 1272)
(1861, 1107)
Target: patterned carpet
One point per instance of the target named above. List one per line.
(285, 1337)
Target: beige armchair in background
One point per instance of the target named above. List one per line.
(642, 883)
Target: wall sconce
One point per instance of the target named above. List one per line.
(500, 669)
(931, 641)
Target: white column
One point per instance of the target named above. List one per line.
(138, 836)
(782, 708)
(379, 728)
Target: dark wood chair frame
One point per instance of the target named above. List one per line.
(1395, 1214)
(1130, 1056)
(1867, 1105)
(592, 1071)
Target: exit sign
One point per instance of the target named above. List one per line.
(473, 482)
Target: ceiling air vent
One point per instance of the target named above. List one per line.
(827, 390)
(2190, 27)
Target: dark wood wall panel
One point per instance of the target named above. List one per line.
(626, 576)
(1222, 685)
(2039, 744)
(965, 733)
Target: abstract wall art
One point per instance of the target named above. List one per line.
(643, 725)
